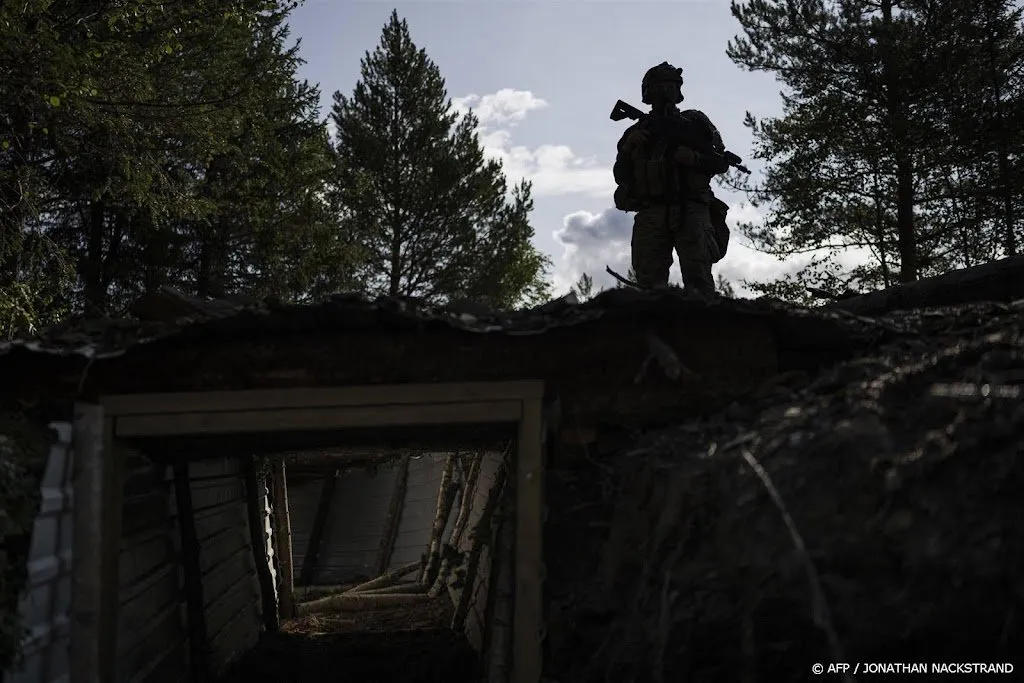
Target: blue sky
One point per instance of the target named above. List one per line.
(542, 76)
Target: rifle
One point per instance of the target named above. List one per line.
(622, 110)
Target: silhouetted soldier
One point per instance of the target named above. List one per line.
(669, 186)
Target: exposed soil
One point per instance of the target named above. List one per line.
(407, 643)
(869, 512)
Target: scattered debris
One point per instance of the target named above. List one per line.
(387, 579)
(625, 281)
(355, 602)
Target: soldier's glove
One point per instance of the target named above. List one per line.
(704, 162)
(634, 140)
(713, 165)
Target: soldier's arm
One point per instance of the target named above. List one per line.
(705, 163)
(712, 165)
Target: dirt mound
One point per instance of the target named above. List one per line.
(871, 513)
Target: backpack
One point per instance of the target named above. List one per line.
(624, 198)
(719, 228)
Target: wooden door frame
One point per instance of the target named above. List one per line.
(100, 429)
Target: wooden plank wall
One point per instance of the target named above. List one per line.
(419, 509)
(152, 645)
(230, 585)
(348, 549)
(356, 521)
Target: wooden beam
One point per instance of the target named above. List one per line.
(468, 498)
(529, 600)
(195, 605)
(283, 531)
(86, 579)
(260, 399)
(258, 539)
(290, 419)
(387, 539)
(109, 545)
(316, 535)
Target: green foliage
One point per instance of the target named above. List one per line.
(896, 138)
(158, 144)
(150, 144)
(23, 451)
(432, 217)
(33, 296)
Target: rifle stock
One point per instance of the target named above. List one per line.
(622, 110)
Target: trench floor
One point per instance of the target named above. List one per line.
(407, 643)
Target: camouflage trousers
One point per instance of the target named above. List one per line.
(657, 230)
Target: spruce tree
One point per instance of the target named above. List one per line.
(433, 217)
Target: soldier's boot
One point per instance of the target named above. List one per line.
(694, 251)
(697, 280)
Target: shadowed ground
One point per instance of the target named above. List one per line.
(408, 643)
(872, 511)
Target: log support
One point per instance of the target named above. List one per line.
(258, 538)
(283, 532)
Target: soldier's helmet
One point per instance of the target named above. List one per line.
(662, 73)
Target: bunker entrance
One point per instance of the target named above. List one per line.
(399, 561)
(370, 534)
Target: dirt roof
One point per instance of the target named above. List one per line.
(626, 355)
(168, 315)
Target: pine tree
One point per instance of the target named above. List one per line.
(434, 219)
(985, 176)
(724, 287)
(584, 288)
(877, 149)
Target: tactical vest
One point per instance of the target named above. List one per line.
(655, 178)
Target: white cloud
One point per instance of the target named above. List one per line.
(593, 241)
(507, 106)
(553, 169)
